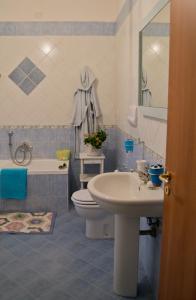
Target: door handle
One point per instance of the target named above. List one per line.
(165, 177)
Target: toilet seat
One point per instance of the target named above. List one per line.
(83, 197)
(86, 203)
(99, 223)
(87, 206)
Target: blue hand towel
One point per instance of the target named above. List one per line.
(14, 183)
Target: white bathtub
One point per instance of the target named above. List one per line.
(40, 166)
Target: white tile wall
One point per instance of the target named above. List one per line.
(153, 132)
(52, 100)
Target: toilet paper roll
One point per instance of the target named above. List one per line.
(141, 165)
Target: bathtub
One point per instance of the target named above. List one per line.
(47, 187)
(40, 166)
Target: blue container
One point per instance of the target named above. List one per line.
(156, 169)
(155, 179)
(129, 145)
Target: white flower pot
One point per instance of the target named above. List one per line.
(92, 151)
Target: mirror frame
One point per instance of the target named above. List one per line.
(150, 112)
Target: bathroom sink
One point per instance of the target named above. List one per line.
(124, 193)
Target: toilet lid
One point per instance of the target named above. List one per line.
(83, 196)
(87, 205)
(84, 202)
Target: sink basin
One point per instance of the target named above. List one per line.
(124, 193)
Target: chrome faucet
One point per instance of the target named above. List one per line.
(144, 176)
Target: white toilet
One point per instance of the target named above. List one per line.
(99, 223)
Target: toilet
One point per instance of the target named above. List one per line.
(99, 223)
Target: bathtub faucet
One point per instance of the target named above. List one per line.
(22, 156)
(10, 134)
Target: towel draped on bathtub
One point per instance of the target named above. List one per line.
(13, 183)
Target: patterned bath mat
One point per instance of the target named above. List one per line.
(27, 222)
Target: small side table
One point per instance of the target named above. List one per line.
(90, 160)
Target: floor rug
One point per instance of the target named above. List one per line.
(27, 222)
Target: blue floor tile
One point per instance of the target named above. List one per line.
(19, 294)
(39, 286)
(19, 249)
(12, 266)
(23, 276)
(64, 265)
(56, 294)
(89, 254)
(7, 289)
(7, 241)
(104, 262)
(93, 275)
(77, 287)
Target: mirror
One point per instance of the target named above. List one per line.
(154, 61)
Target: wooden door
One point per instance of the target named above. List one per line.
(178, 257)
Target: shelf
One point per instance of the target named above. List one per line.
(86, 156)
(86, 177)
(90, 157)
(86, 159)
(92, 161)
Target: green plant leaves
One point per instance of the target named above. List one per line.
(96, 139)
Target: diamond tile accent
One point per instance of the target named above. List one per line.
(27, 86)
(17, 76)
(37, 76)
(27, 76)
(27, 65)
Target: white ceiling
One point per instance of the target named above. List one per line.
(60, 10)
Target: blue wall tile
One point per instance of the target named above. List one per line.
(36, 76)
(27, 86)
(26, 65)
(17, 75)
(57, 28)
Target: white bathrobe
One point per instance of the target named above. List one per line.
(87, 112)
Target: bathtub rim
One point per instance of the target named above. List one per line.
(32, 170)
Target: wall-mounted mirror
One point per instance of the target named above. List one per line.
(154, 62)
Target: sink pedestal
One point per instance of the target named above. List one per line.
(119, 193)
(126, 252)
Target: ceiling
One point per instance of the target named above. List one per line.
(60, 10)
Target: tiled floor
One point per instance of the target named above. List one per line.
(61, 266)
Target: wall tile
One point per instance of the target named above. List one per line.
(17, 76)
(62, 67)
(37, 76)
(27, 86)
(56, 28)
(27, 65)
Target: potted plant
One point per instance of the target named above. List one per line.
(94, 142)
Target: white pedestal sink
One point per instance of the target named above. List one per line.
(123, 194)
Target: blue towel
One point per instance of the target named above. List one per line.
(13, 183)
